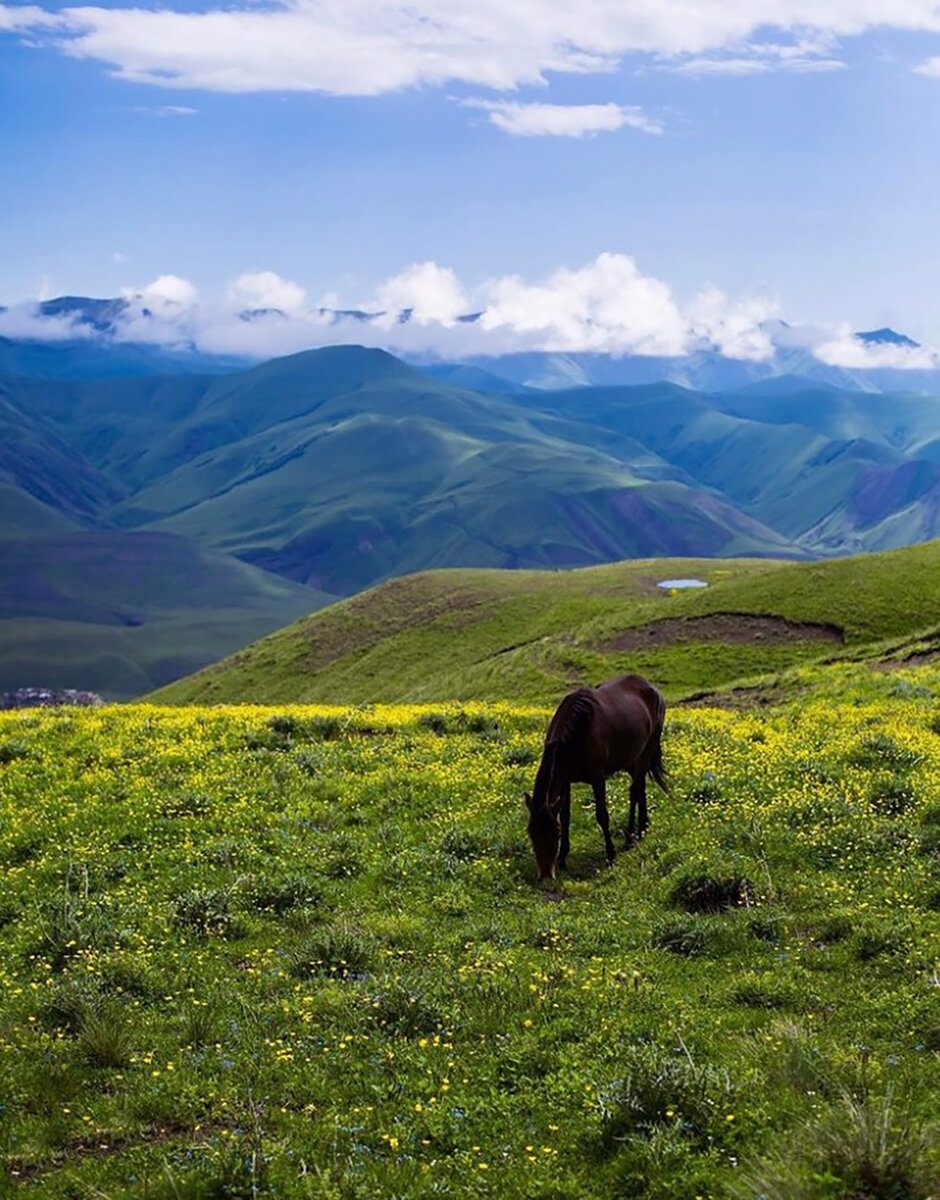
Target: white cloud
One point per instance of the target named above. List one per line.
(366, 47)
(842, 349)
(266, 289)
(738, 328)
(756, 66)
(166, 291)
(26, 321)
(805, 54)
(433, 294)
(607, 306)
(563, 120)
(26, 17)
(166, 110)
(930, 66)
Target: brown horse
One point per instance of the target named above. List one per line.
(596, 732)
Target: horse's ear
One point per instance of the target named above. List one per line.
(528, 801)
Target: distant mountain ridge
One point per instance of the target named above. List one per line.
(331, 470)
(106, 320)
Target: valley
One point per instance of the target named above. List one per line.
(337, 469)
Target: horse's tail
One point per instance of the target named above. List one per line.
(657, 768)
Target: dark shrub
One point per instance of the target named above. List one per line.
(207, 911)
(664, 1088)
(520, 756)
(337, 951)
(883, 751)
(710, 894)
(281, 895)
(892, 796)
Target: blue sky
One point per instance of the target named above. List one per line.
(799, 164)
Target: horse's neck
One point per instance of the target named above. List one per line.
(548, 773)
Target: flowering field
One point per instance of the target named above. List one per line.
(299, 952)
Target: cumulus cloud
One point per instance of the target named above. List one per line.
(563, 120)
(427, 292)
(267, 290)
(166, 291)
(930, 66)
(607, 306)
(737, 328)
(367, 47)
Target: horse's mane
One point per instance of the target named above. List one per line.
(571, 719)
(574, 714)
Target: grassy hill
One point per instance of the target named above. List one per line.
(829, 469)
(343, 466)
(121, 613)
(530, 635)
(300, 953)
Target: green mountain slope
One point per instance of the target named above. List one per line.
(530, 635)
(121, 613)
(37, 461)
(834, 471)
(343, 467)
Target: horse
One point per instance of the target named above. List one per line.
(596, 732)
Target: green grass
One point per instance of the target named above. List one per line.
(291, 952)
(121, 613)
(531, 635)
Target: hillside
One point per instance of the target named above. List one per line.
(122, 613)
(300, 952)
(344, 467)
(527, 635)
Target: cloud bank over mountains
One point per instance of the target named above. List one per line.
(368, 47)
(607, 306)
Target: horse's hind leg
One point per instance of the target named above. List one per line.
(629, 834)
(603, 817)
(565, 815)
(638, 798)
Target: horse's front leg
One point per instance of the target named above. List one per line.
(565, 815)
(603, 818)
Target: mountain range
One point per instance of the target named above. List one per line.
(259, 493)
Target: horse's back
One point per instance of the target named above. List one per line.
(628, 695)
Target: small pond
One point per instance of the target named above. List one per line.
(668, 584)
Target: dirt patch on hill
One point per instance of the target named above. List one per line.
(746, 699)
(920, 658)
(737, 628)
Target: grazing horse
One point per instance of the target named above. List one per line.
(596, 732)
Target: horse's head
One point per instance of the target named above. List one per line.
(545, 835)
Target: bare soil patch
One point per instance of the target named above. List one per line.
(737, 628)
(920, 658)
(738, 699)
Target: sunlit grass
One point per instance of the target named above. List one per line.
(300, 952)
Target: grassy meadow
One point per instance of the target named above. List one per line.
(531, 635)
(299, 952)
